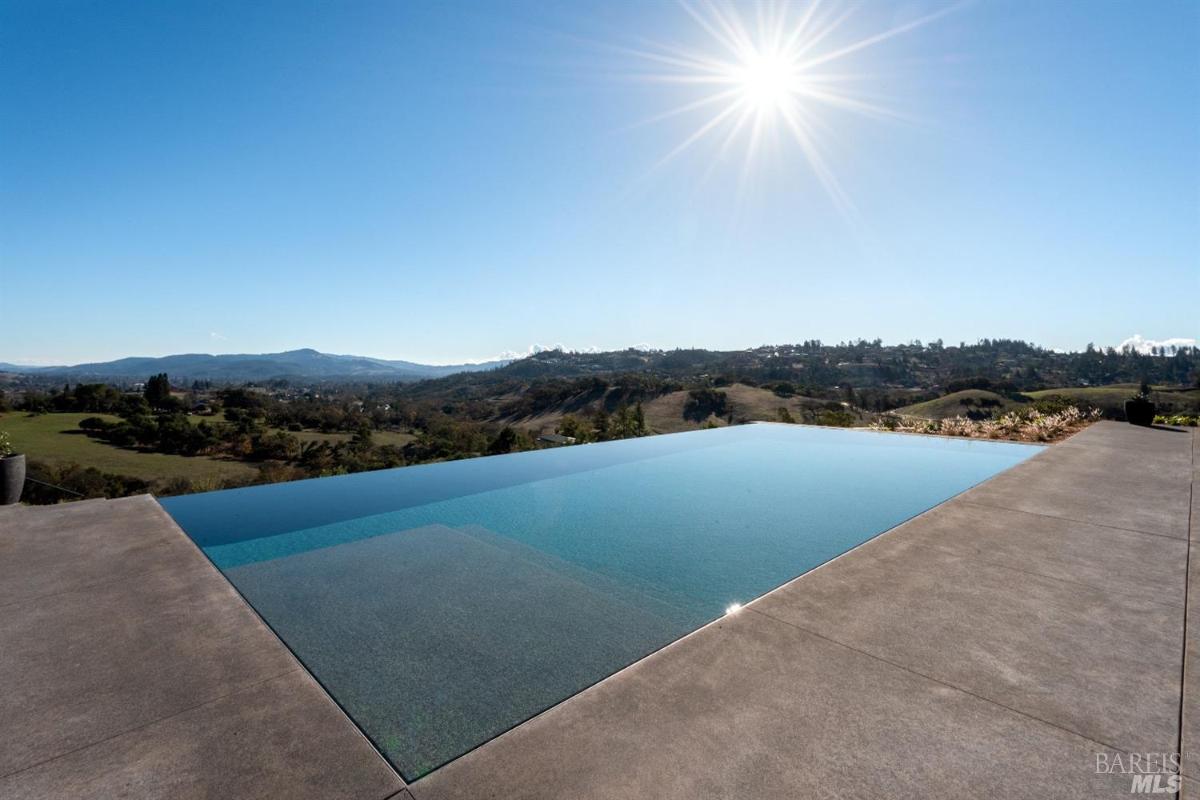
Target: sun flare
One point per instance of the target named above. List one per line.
(766, 81)
(755, 82)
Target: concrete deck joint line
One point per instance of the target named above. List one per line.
(1184, 741)
(1068, 519)
(936, 680)
(1036, 573)
(148, 723)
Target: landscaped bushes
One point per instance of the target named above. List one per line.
(1028, 425)
(86, 481)
(1183, 420)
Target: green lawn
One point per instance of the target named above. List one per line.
(56, 438)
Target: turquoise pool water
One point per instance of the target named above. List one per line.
(442, 604)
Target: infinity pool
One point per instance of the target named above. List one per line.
(442, 604)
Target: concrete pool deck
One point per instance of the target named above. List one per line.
(993, 646)
(131, 668)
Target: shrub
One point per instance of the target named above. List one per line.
(1057, 404)
(703, 403)
(509, 440)
(1027, 425)
(888, 422)
(89, 482)
(1183, 420)
(177, 485)
(836, 419)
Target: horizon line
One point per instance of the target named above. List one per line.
(1136, 342)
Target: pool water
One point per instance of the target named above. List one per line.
(442, 604)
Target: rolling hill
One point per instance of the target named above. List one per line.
(665, 413)
(967, 403)
(1111, 399)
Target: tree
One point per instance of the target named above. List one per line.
(362, 440)
(626, 423)
(570, 425)
(704, 402)
(510, 440)
(158, 390)
(600, 423)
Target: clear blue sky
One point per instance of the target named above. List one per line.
(444, 181)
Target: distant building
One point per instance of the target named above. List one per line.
(556, 439)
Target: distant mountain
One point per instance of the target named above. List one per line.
(306, 364)
(1002, 366)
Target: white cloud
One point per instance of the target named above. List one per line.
(534, 349)
(1143, 345)
(217, 336)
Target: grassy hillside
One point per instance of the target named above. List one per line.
(56, 438)
(961, 404)
(754, 403)
(665, 414)
(1111, 399)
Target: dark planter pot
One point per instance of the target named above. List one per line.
(1139, 411)
(12, 479)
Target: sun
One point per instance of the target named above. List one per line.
(755, 81)
(766, 81)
